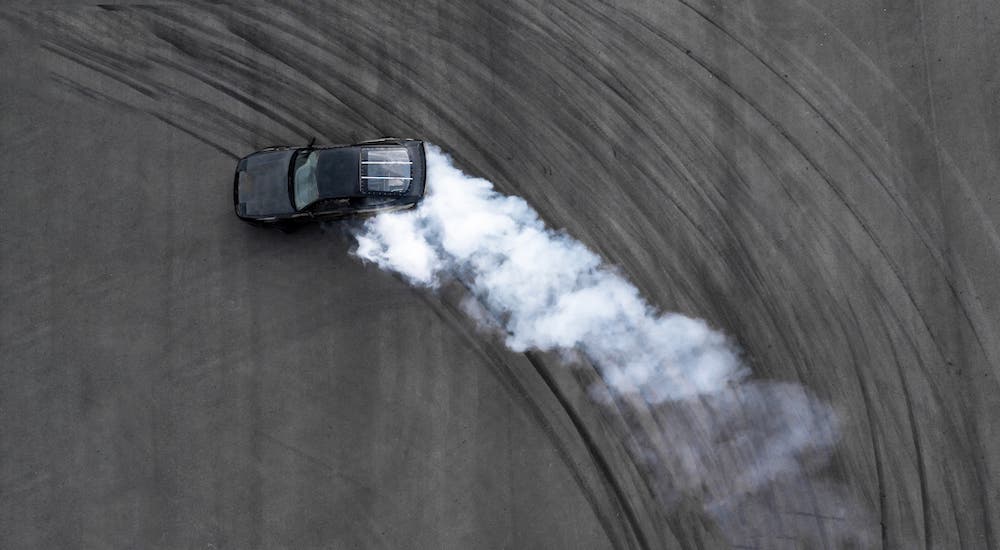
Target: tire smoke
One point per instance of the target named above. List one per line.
(709, 430)
(547, 290)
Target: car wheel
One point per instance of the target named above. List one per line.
(288, 227)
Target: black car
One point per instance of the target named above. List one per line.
(287, 186)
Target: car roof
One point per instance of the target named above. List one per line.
(337, 172)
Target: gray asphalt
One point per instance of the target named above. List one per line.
(818, 180)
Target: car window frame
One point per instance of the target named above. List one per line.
(361, 170)
(291, 180)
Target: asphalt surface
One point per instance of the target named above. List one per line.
(818, 180)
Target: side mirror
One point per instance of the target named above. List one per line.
(311, 143)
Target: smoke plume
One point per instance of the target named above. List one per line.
(548, 291)
(708, 430)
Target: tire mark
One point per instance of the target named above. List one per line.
(91, 93)
(888, 83)
(221, 57)
(873, 425)
(156, 91)
(746, 267)
(821, 172)
(446, 311)
(944, 273)
(593, 450)
(917, 444)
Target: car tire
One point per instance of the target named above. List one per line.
(288, 227)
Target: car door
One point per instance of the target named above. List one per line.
(330, 209)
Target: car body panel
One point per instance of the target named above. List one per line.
(264, 189)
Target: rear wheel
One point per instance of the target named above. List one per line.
(288, 227)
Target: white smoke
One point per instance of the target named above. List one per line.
(548, 290)
(696, 423)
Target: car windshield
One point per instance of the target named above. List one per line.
(304, 179)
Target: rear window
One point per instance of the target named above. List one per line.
(385, 170)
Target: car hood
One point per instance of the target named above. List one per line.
(262, 184)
